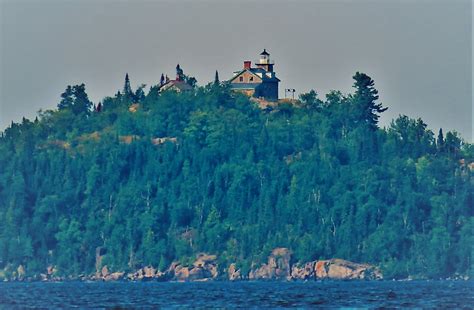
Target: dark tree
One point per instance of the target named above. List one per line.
(82, 104)
(191, 80)
(440, 141)
(310, 100)
(139, 95)
(179, 73)
(67, 99)
(365, 100)
(127, 89)
(452, 143)
(216, 78)
(162, 79)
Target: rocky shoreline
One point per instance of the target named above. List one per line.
(279, 266)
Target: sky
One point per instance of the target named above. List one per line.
(418, 52)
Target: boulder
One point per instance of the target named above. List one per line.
(233, 273)
(181, 273)
(149, 272)
(280, 262)
(199, 274)
(343, 269)
(321, 269)
(115, 276)
(261, 273)
(203, 259)
(303, 272)
(277, 267)
(203, 268)
(21, 272)
(104, 271)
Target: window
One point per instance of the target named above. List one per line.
(241, 79)
(251, 79)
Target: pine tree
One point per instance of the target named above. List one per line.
(179, 73)
(216, 78)
(67, 99)
(82, 104)
(139, 95)
(440, 141)
(365, 100)
(127, 89)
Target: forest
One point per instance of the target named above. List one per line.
(155, 177)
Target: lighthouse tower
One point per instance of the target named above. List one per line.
(265, 63)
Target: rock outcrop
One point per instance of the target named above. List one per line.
(303, 272)
(343, 269)
(21, 272)
(234, 274)
(147, 273)
(115, 276)
(205, 268)
(278, 266)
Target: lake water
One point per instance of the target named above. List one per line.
(333, 294)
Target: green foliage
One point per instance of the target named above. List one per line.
(310, 100)
(75, 99)
(208, 171)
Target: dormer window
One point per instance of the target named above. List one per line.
(241, 79)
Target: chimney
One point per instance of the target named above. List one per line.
(247, 64)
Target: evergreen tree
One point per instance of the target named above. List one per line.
(453, 144)
(139, 95)
(440, 141)
(310, 100)
(216, 79)
(179, 73)
(162, 80)
(82, 104)
(127, 89)
(67, 99)
(191, 80)
(365, 100)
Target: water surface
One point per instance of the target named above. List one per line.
(334, 294)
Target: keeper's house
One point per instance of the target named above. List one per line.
(260, 81)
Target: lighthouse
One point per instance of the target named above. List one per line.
(259, 81)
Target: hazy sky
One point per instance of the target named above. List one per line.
(418, 52)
